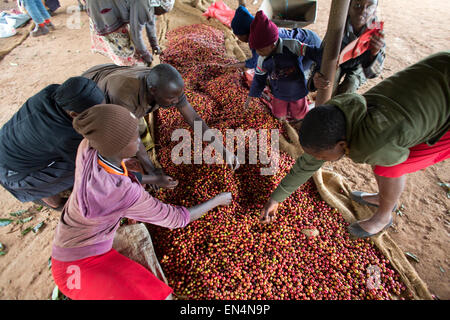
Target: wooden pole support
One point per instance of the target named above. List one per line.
(332, 47)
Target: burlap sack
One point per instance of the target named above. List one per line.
(335, 191)
(134, 242)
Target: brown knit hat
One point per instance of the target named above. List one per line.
(108, 127)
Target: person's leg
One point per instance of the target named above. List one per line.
(389, 191)
(43, 11)
(298, 109)
(53, 201)
(352, 81)
(279, 108)
(34, 11)
(43, 187)
(391, 180)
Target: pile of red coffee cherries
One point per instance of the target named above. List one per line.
(228, 254)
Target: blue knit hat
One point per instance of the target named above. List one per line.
(241, 21)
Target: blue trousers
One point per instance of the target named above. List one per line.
(36, 10)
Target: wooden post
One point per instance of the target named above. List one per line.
(332, 46)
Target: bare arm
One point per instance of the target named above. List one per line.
(223, 199)
(190, 116)
(144, 159)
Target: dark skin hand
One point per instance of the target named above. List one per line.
(222, 199)
(153, 176)
(160, 180)
(147, 57)
(376, 43)
(156, 50)
(320, 82)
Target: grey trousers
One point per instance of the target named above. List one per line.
(348, 81)
(47, 182)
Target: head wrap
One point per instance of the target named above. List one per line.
(263, 32)
(108, 127)
(77, 94)
(241, 21)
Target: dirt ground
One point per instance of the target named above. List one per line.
(413, 28)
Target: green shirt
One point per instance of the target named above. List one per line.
(404, 110)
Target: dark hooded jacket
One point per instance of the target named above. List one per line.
(41, 131)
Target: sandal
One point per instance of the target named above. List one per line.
(356, 231)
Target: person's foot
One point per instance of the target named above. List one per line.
(54, 201)
(375, 224)
(50, 26)
(39, 31)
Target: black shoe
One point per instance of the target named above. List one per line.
(357, 196)
(39, 31)
(50, 26)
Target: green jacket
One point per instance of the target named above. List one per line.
(406, 109)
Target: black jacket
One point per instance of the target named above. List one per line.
(38, 134)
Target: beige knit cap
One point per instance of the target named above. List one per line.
(108, 127)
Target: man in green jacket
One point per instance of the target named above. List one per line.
(399, 126)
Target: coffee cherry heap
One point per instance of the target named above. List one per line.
(228, 254)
